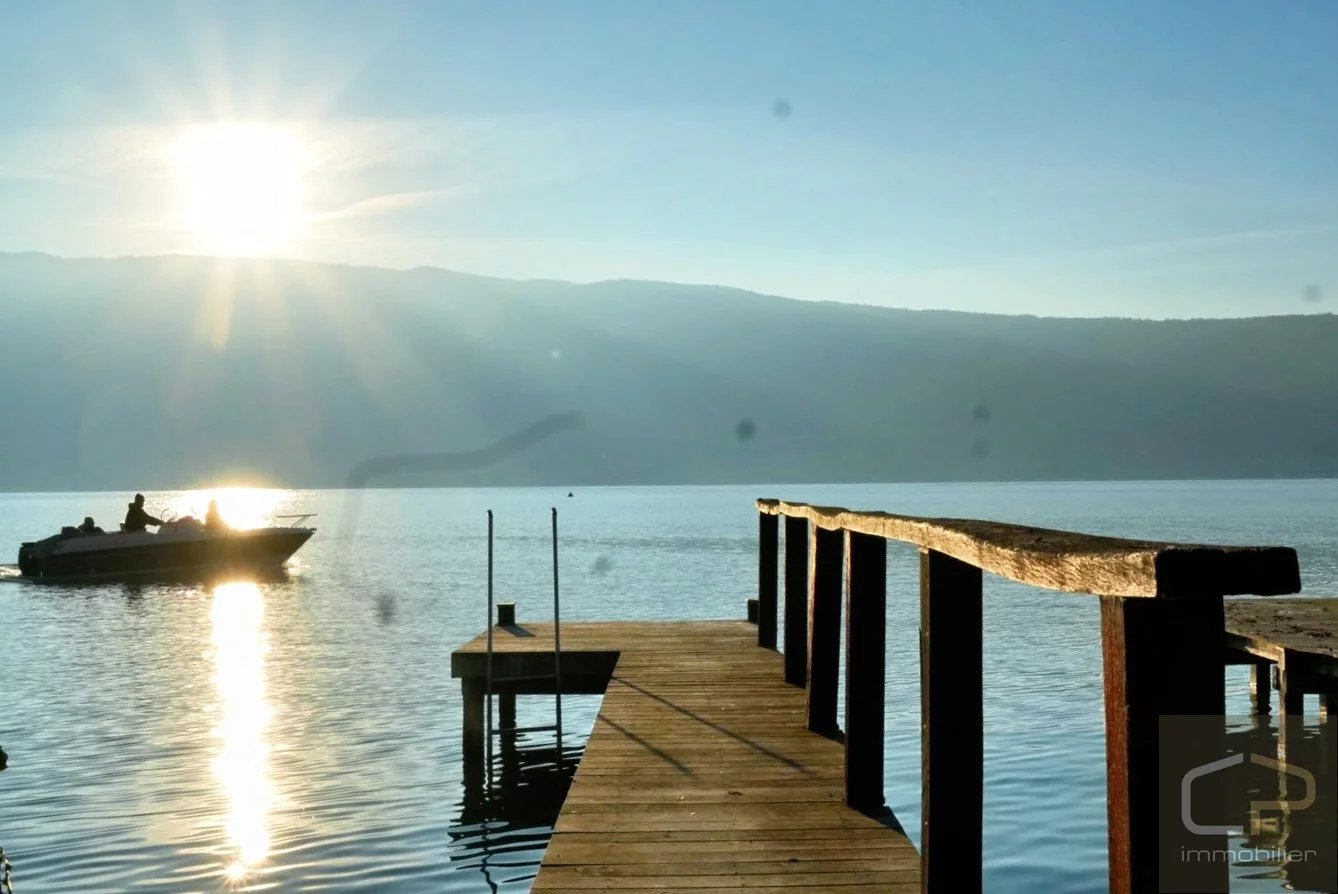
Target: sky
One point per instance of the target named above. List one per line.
(1145, 159)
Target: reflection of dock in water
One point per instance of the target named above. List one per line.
(506, 816)
(1291, 647)
(1286, 840)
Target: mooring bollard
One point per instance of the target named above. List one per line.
(506, 614)
(752, 611)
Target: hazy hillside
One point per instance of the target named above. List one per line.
(149, 373)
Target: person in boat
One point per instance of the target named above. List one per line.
(136, 519)
(213, 519)
(89, 527)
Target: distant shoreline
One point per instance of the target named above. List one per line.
(760, 486)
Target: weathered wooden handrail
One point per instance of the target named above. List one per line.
(1163, 641)
(1076, 563)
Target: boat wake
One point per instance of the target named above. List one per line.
(9, 572)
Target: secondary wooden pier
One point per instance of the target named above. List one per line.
(1297, 639)
(717, 763)
(700, 772)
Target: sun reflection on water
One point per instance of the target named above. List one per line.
(241, 764)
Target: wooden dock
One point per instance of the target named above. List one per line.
(715, 762)
(700, 772)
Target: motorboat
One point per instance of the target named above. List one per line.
(179, 546)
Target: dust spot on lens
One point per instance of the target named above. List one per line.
(602, 566)
(781, 108)
(981, 413)
(386, 608)
(1312, 294)
(980, 448)
(745, 429)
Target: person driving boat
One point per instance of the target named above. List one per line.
(136, 519)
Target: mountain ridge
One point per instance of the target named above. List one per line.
(617, 281)
(185, 370)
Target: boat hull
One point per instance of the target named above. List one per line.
(128, 555)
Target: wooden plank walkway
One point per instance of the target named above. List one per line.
(700, 773)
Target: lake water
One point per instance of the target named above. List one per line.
(303, 734)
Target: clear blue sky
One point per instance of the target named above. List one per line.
(1144, 159)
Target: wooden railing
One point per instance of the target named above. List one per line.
(1162, 635)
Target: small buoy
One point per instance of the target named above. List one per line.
(4, 759)
(570, 494)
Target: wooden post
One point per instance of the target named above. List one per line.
(796, 601)
(768, 529)
(472, 764)
(506, 733)
(1159, 657)
(866, 633)
(1291, 702)
(825, 568)
(472, 729)
(506, 713)
(952, 724)
(1260, 687)
(1291, 698)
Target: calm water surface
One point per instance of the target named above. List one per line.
(303, 734)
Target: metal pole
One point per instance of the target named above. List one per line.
(557, 637)
(487, 707)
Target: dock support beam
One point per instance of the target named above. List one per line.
(866, 633)
(825, 566)
(1291, 697)
(952, 725)
(1260, 687)
(472, 733)
(472, 693)
(1291, 702)
(768, 529)
(506, 734)
(1159, 657)
(796, 601)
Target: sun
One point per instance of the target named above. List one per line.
(240, 187)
